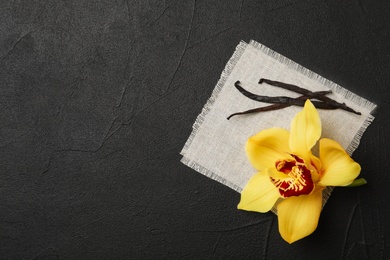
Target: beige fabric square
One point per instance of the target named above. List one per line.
(216, 145)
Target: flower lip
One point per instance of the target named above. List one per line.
(294, 177)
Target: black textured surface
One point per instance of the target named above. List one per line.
(97, 99)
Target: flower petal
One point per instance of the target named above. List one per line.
(259, 194)
(305, 129)
(298, 216)
(339, 169)
(268, 146)
(314, 164)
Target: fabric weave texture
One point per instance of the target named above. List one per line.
(216, 146)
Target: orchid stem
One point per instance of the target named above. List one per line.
(357, 182)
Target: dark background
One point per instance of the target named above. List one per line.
(97, 99)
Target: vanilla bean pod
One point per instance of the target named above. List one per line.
(259, 109)
(273, 106)
(281, 99)
(308, 93)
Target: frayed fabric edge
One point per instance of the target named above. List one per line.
(297, 67)
(221, 82)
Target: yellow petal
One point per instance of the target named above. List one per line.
(298, 216)
(259, 194)
(305, 129)
(268, 146)
(338, 168)
(314, 164)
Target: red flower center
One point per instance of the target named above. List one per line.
(298, 178)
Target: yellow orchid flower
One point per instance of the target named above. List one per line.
(291, 177)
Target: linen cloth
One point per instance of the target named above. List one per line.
(216, 146)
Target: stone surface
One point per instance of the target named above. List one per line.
(97, 99)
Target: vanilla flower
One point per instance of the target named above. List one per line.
(290, 177)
